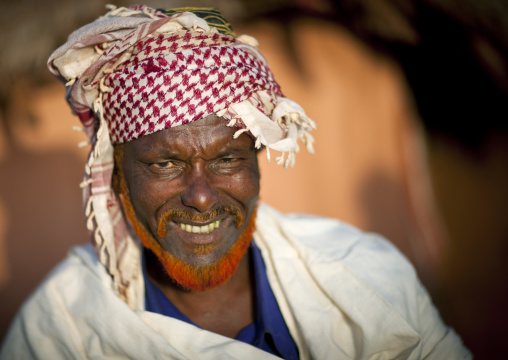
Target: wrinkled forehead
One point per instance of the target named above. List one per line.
(207, 138)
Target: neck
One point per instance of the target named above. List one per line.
(157, 274)
(225, 310)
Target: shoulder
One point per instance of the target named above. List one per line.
(363, 274)
(328, 246)
(77, 273)
(44, 322)
(330, 240)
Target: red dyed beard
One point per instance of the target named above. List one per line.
(188, 276)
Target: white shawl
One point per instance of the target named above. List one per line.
(344, 294)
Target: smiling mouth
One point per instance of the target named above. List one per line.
(205, 229)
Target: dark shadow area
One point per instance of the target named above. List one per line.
(388, 212)
(472, 196)
(382, 203)
(42, 199)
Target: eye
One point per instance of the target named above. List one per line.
(230, 161)
(227, 164)
(162, 165)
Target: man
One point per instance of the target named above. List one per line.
(185, 262)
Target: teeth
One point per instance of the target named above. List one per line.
(205, 229)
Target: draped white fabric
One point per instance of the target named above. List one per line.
(344, 294)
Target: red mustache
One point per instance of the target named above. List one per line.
(209, 215)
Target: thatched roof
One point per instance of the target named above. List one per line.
(32, 29)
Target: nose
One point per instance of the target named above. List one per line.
(199, 192)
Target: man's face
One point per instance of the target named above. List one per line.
(193, 187)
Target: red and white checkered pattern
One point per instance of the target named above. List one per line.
(173, 79)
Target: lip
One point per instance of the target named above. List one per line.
(200, 229)
(200, 223)
(195, 239)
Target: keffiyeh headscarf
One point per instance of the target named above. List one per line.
(136, 71)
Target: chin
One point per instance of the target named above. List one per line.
(209, 270)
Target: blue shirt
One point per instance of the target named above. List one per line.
(268, 331)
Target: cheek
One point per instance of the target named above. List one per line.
(245, 188)
(146, 197)
(156, 193)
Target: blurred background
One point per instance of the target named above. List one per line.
(410, 98)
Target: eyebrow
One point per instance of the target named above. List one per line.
(169, 152)
(228, 152)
